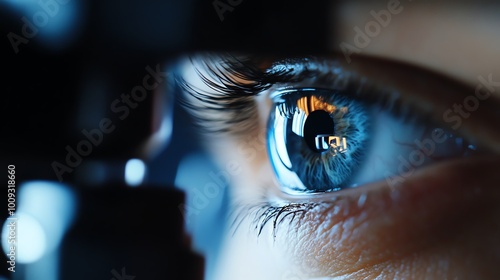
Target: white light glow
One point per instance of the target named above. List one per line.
(46, 209)
(30, 239)
(280, 137)
(135, 170)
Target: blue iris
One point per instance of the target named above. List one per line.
(317, 139)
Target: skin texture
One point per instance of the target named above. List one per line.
(442, 222)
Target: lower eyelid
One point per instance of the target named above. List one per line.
(375, 223)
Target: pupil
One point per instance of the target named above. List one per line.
(318, 122)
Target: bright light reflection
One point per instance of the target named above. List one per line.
(45, 211)
(30, 243)
(55, 21)
(135, 170)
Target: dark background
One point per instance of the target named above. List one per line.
(63, 78)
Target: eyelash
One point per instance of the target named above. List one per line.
(235, 92)
(266, 212)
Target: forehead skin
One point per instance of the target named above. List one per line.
(461, 40)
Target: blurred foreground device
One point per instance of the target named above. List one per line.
(141, 235)
(86, 101)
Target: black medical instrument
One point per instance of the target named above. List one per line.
(68, 115)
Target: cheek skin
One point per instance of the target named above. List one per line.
(442, 222)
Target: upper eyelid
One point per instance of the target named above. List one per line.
(421, 87)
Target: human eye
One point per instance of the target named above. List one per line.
(331, 129)
(345, 166)
(334, 130)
